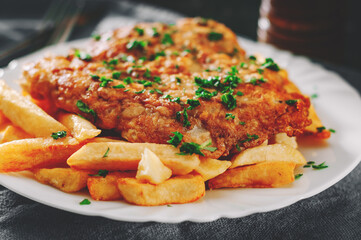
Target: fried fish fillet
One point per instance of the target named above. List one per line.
(152, 79)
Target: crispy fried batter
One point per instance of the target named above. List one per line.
(177, 54)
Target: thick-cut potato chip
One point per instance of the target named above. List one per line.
(270, 153)
(210, 168)
(180, 189)
(65, 179)
(106, 188)
(27, 115)
(261, 175)
(12, 133)
(282, 138)
(33, 153)
(79, 127)
(115, 156)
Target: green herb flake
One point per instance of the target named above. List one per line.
(239, 93)
(119, 86)
(167, 39)
(332, 130)
(189, 148)
(139, 92)
(116, 75)
(85, 202)
(291, 102)
(229, 101)
(147, 73)
(238, 148)
(101, 173)
(215, 36)
(315, 95)
(85, 109)
(193, 104)
(155, 32)
(94, 77)
(297, 176)
(106, 153)
(140, 31)
(250, 138)
(157, 79)
(96, 37)
(158, 91)
(242, 123)
(270, 64)
(320, 166)
(57, 135)
(104, 81)
(82, 56)
(252, 58)
(260, 70)
(230, 116)
(159, 54)
(128, 80)
(136, 45)
(320, 129)
(176, 139)
(202, 93)
(110, 64)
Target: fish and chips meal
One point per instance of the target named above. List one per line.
(155, 114)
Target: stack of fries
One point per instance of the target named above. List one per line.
(63, 150)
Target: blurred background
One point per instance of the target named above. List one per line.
(328, 31)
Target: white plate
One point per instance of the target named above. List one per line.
(338, 105)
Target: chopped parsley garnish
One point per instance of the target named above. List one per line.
(101, 173)
(147, 73)
(139, 92)
(119, 86)
(111, 63)
(159, 54)
(85, 202)
(297, 176)
(94, 77)
(252, 58)
(85, 109)
(242, 123)
(167, 39)
(270, 64)
(96, 37)
(179, 81)
(229, 101)
(332, 130)
(243, 65)
(140, 31)
(206, 146)
(193, 104)
(145, 83)
(257, 82)
(106, 153)
(239, 93)
(260, 70)
(214, 36)
(320, 129)
(104, 81)
(116, 75)
(158, 91)
(136, 45)
(202, 93)
(155, 32)
(57, 135)
(188, 148)
(315, 95)
(238, 148)
(320, 166)
(186, 123)
(291, 102)
(128, 80)
(230, 116)
(176, 139)
(250, 138)
(157, 79)
(176, 100)
(83, 56)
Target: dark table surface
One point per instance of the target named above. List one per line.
(333, 214)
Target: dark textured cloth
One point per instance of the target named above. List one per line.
(332, 214)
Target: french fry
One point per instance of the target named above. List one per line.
(122, 156)
(12, 133)
(151, 169)
(316, 123)
(33, 153)
(282, 138)
(180, 189)
(106, 188)
(65, 179)
(210, 168)
(270, 153)
(79, 127)
(261, 175)
(27, 115)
